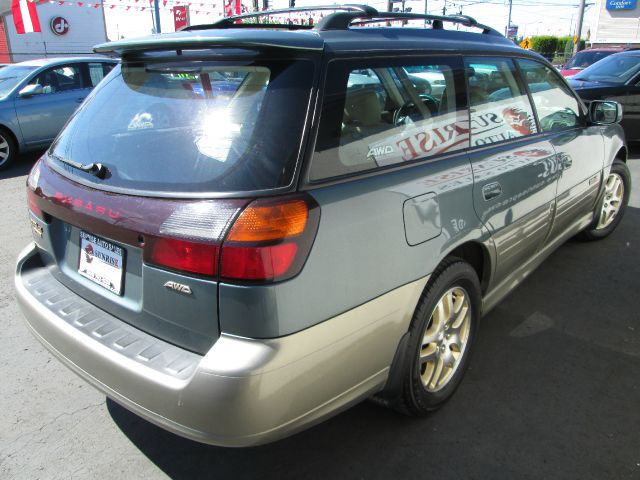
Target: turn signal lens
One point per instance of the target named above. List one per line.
(259, 223)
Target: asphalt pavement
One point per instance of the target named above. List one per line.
(553, 391)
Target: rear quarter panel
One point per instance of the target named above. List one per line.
(361, 250)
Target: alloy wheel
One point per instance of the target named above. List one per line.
(5, 150)
(445, 339)
(613, 197)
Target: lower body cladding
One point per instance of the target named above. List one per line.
(243, 391)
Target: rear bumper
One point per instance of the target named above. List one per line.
(243, 391)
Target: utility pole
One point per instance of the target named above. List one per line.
(576, 46)
(156, 8)
(426, 11)
(506, 33)
(444, 8)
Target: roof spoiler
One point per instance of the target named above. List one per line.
(253, 39)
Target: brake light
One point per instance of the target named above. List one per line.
(32, 186)
(33, 205)
(183, 255)
(257, 263)
(270, 240)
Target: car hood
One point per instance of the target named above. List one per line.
(587, 84)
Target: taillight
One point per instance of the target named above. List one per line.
(32, 186)
(257, 263)
(183, 255)
(33, 205)
(268, 241)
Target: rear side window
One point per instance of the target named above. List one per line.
(500, 110)
(556, 106)
(387, 112)
(192, 127)
(97, 71)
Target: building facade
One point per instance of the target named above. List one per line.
(616, 24)
(66, 30)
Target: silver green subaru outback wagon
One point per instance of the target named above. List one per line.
(249, 227)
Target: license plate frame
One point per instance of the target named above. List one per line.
(102, 262)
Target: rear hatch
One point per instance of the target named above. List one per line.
(138, 192)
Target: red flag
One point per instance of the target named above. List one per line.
(233, 7)
(25, 16)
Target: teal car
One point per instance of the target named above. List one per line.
(238, 266)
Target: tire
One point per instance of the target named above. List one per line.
(454, 287)
(8, 149)
(614, 202)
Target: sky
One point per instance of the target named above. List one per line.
(533, 17)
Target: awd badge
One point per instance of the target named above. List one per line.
(178, 287)
(36, 228)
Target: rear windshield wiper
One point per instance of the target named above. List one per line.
(97, 169)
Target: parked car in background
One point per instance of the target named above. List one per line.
(616, 77)
(37, 97)
(432, 78)
(586, 58)
(238, 267)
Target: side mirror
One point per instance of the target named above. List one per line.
(605, 112)
(31, 90)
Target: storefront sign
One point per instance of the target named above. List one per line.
(180, 17)
(621, 4)
(59, 26)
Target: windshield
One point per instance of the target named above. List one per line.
(614, 69)
(585, 58)
(11, 76)
(195, 127)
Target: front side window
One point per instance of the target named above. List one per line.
(500, 110)
(59, 79)
(557, 108)
(387, 113)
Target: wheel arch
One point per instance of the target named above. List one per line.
(623, 154)
(14, 137)
(477, 255)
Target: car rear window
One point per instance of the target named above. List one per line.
(192, 128)
(586, 57)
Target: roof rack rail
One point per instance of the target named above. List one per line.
(344, 16)
(342, 20)
(230, 22)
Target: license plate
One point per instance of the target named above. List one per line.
(101, 262)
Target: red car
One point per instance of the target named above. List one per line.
(585, 58)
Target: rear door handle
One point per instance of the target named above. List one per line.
(491, 190)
